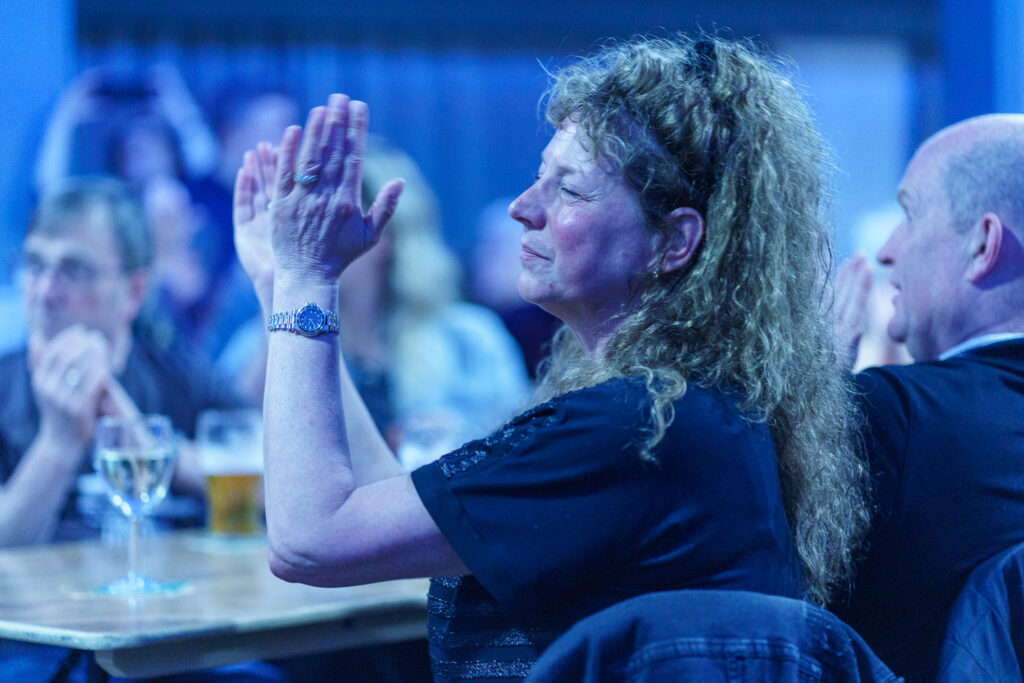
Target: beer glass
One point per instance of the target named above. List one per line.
(230, 451)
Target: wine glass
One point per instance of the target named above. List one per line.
(134, 457)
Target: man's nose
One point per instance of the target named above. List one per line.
(47, 284)
(887, 251)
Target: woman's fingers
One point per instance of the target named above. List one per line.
(285, 170)
(245, 189)
(383, 207)
(266, 162)
(355, 150)
(332, 147)
(318, 179)
(309, 164)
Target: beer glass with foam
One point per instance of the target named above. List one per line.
(230, 446)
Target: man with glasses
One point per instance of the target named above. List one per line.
(84, 276)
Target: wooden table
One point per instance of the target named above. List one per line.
(231, 608)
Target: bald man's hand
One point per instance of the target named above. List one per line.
(852, 287)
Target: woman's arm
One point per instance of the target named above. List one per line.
(325, 524)
(373, 459)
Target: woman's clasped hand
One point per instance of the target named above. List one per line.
(298, 206)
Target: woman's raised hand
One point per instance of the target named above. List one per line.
(253, 221)
(319, 226)
(298, 207)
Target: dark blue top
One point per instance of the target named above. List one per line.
(558, 517)
(945, 443)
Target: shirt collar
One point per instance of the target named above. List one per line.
(978, 342)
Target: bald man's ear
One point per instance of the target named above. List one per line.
(685, 235)
(985, 240)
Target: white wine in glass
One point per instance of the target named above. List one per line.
(135, 459)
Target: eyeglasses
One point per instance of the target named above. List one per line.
(69, 272)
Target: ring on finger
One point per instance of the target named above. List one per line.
(306, 178)
(72, 378)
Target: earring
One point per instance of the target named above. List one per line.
(657, 273)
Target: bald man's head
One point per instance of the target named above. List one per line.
(981, 166)
(956, 258)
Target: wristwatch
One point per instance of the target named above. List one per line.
(309, 321)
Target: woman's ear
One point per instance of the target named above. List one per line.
(686, 230)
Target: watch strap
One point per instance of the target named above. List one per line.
(298, 321)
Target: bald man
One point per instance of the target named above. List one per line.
(945, 435)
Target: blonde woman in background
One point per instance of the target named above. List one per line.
(434, 370)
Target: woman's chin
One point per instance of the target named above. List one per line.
(534, 293)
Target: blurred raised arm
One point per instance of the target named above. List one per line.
(852, 287)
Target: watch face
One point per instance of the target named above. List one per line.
(310, 319)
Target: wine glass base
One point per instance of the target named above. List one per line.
(140, 585)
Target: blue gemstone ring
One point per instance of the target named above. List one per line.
(306, 178)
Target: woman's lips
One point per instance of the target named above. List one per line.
(528, 253)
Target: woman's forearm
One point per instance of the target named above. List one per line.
(309, 472)
(372, 458)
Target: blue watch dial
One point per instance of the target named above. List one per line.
(310, 319)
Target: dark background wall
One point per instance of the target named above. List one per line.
(457, 83)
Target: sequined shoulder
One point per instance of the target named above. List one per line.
(506, 439)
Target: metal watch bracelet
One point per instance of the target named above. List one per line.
(310, 321)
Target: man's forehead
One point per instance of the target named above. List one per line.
(923, 174)
(90, 237)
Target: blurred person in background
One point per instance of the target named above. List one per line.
(242, 115)
(876, 347)
(86, 266)
(178, 276)
(85, 272)
(453, 370)
(144, 127)
(132, 124)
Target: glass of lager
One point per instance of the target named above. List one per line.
(230, 448)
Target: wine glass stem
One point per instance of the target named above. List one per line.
(134, 539)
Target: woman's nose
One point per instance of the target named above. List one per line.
(526, 210)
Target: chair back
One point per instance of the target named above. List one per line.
(707, 636)
(985, 636)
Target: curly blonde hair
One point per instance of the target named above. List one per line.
(713, 125)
